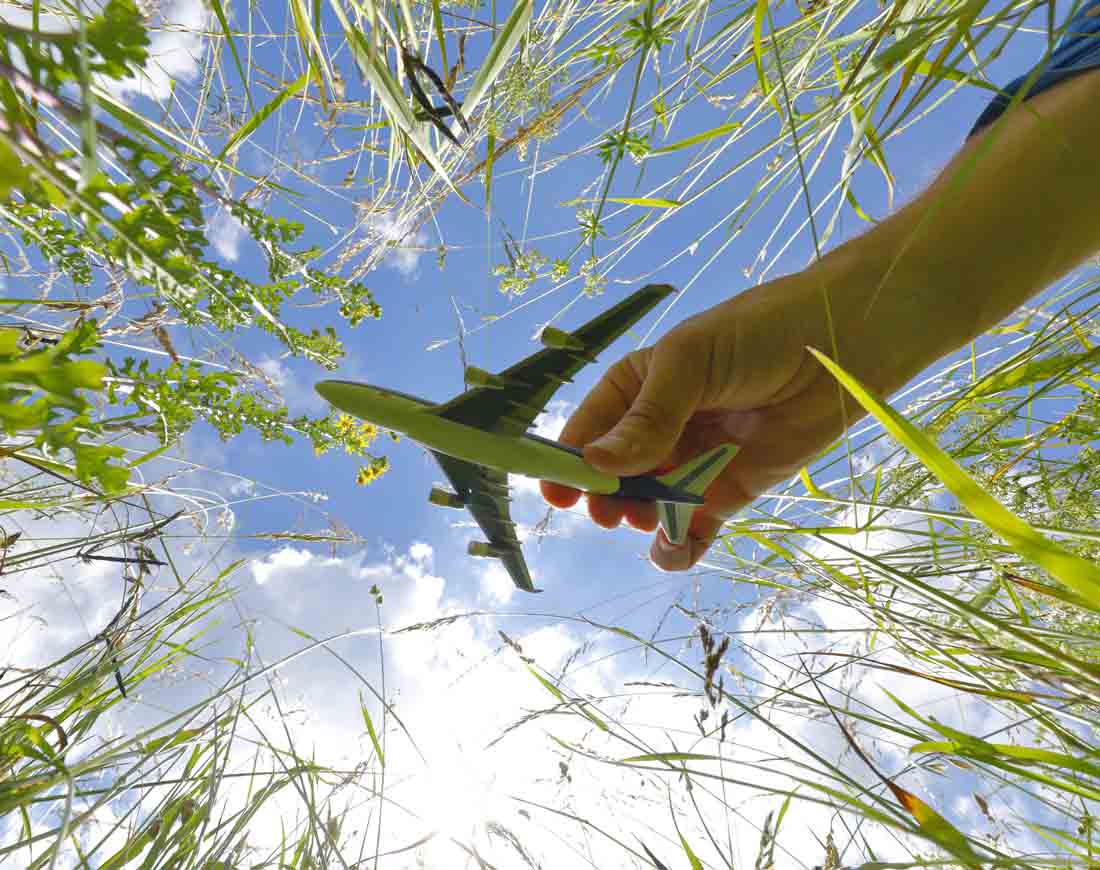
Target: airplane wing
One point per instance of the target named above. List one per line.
(485, 492)
(518, 395)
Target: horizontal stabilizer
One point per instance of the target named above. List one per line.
(693, 477)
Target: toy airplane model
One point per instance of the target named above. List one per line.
(480, 436)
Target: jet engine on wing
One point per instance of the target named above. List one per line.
(446, 498)
(485, 551)
(559, 339)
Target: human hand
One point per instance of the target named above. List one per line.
(738, 372)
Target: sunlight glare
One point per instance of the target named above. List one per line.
(458, 797)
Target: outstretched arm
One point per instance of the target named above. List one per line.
(1013, 211)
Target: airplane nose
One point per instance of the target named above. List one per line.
(342, 395)
(329, 390)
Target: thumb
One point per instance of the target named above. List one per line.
(646, 434)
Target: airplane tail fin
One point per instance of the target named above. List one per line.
(693, 477)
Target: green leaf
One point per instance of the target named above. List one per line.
(373, 734)
(437, 25)
(693, 859)
(1078, 574)
(758, 52)
(229, 569)
(171, 740)
(900, 50)
(253, 123)
(311, 46)
(393, 100)
(490, 157)
(13, 174)
(697, 138)
(811, 487)
(646, 201)
(507, 39)
(980, 750)
(580, 707)
(220, 12)
(1031, 372)
(936, 826)
(925, 69)
(152, 454)
(670, 756)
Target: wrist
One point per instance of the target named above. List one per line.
(890, 323)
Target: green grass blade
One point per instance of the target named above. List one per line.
(253, 123)
(437, 23)
(697, 138)
(393, 99)
(1076, 573)
(499, 52)
(373, 734)
(693, 859)
(758, 52)
(857, 208)
(490, 157)
(936, 826)
(646, 201)
(669, 756)
(220, 12)
(1030, 372)
(924, 68)
(311, 46)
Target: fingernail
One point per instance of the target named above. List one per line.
(666, 546)
(667, 556)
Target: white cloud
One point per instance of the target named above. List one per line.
(175, 52)
(275, 370)
(284, 561)
(468, 700)
(52, 606)
(420, 552)
(496, 584)
(225, 234)
(300, 398)
(403, 242)
(480, 724)
(552, 420)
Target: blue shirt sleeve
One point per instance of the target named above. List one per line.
(1077, 52)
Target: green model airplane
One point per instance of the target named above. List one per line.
(481, 435)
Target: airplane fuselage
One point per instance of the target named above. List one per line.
(515, 454)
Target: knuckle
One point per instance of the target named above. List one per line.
(650, 415)
(627, 375)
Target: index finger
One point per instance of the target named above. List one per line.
(600, 410)
(608, 401)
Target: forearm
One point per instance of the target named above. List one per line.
(1010, 213)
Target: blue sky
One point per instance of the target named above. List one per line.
(419, 302)
(460, 686)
